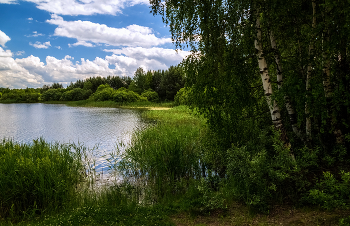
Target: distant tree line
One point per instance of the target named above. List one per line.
(161, 85)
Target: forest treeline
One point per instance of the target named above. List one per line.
(161, 85)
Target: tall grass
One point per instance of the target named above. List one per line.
(38, 177)
(163, 159)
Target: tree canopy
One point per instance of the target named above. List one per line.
(250, 58)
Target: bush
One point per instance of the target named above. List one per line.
(103, 93)
(52, 95)
(125, 95)
(330, 193)
(75, 94)
(259, 176)
(150, 95)
(182, 96)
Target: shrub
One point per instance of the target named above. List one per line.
(182, 96)
(260, 176)
(330, 193)
(51, 95)
(125, 95)
(150, 95)
(75, 94)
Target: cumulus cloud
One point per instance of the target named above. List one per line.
(3, 38)
(40, 45)
(14, 75)
(32, 72)
(4, 53)
(30, 18)
(130, 58)
(85, 7)
(88, 33)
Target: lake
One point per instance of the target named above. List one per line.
(102, 127)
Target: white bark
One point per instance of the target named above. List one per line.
(264, 73)
(289, 107)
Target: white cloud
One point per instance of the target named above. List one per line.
(35, 34)
(19, 53)
(32, 72)
(85, 7)
(30, 18)
(4, 53)
(14, 75)
(81, 43)
(128, 59)
(40, 45)
(3, 38)
(58, 47)
(87, 33)
(8, 2)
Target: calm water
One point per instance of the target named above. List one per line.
(104, 127)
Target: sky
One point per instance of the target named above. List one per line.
(47, 41)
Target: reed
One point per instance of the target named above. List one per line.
(37, 178)
(163, 159)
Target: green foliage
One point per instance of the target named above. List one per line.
(164, 157)
(103, 93)
(150, 95)
(29, 95)
(124, 95)
(75, 94)
(52, 95)
(330, 192)
(37, 177)
(260, 176)
(182, 97)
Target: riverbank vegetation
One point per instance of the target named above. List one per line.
(267, 124)
(170, 178)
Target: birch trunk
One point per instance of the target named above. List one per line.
(309, 73)
(289, 107)
(264, 73)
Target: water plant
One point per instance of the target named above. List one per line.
(37, 177)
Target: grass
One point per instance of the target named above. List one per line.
(38, 177)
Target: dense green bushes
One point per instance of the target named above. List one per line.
(105, 93)
(76, 94)
(21, 95)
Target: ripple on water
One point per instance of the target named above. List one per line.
(102, 127)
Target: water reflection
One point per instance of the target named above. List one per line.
(102, 127)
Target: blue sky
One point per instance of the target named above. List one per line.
(46, 41)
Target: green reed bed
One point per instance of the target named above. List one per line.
(163, 159)
(37, 178)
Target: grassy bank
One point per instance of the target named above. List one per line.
(166, 182)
